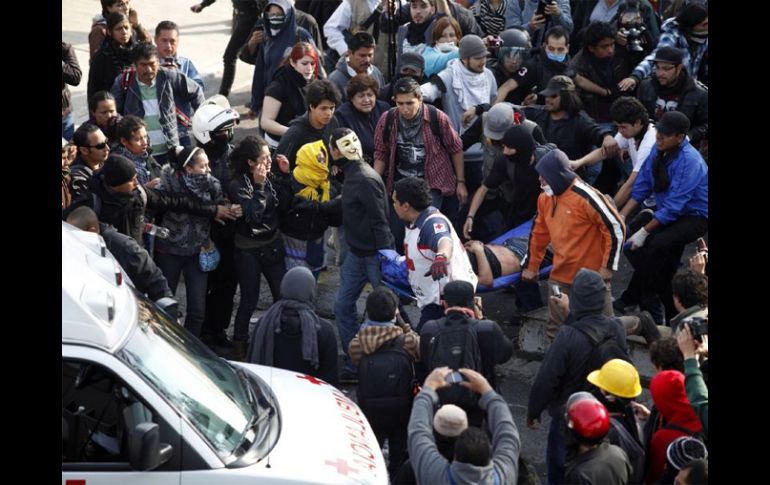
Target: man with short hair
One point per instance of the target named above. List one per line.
(671, 88)
(476, 460)
(93, 150)
(421, 142)
(151, 95)
(678, 176)
(167, 40)
(690, 290)
(434, 254)
(358, 61)
(585, 232)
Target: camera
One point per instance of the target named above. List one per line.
(455, 378)
(541, 6)
(698, 327)
(634, 38)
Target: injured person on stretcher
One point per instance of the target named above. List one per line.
(491, 261)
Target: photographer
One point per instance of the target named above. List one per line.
(476, 460)
(694, 381)
(691, 297)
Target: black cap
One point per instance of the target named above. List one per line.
(413, 61)
(459, 293)
(672, 55)
(118, 170)
(557, 84)
(673, 123)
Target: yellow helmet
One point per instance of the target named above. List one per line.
(617, 377)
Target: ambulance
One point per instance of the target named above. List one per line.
(145, 402)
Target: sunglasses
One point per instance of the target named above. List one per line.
(99, 146)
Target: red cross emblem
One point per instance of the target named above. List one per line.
(341, 466)
(311, 379)
(438, 227)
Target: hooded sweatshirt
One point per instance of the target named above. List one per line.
(583, 226)
(669, 395)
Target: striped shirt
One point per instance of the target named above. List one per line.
(152, 118)
(491, 19)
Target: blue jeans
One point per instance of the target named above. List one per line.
(556, 451)
(196, 282)
(250, 267)
(67, 127)
(354, 274)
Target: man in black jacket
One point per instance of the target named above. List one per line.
(365, 230)
(673, 89)
(133, 258)
(566, 363)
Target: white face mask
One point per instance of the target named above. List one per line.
(350, 146)
(446, 47)
(547, 190)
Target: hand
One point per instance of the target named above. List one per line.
(133, 17)
(467, 228)
(533, 423)
(437, 379)
(529, 99)
(687, 344)
(439, 268)
(283, 163)
(462, 192)
(256, 38)
(528, 275)
(637, 240)
(562, 306)
(474, 245)
(640, 410)
(475, 381)
(153, 183)
(334, 170)
(627, 84)
(703, 347)
(698, 262)
(224, 214)
(536, 22)
(468, 115)
(620, 37)
(236, 210)
(606, 274)
(259, 173)
(252, 114)
(197, 8)
(609, 146)
(552, 9)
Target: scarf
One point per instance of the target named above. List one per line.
(659, 170)
(461, 309)
(140, 162)
(263, 340)
(411, 128)
(312, 171)
(415, 33)
(119, 56)
(199, 185)
(470, 88)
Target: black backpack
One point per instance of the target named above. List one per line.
(456, 346)
(432, 114)
(386, 382)
(634, 450)
(604, 348)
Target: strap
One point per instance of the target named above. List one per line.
(679, 428)
(388, 122)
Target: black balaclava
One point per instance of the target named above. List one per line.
(520, 138)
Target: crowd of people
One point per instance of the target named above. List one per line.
(428, 127)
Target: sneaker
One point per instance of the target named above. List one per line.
(648, 328)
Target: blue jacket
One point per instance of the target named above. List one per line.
(187, 68)
(170, 85)
(688, 192)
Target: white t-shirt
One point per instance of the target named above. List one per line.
(638, 155)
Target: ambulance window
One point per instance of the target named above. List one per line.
(98, 413)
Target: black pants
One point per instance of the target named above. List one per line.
(396, 434)
(244, 19)
(657, 261)
(223, 282)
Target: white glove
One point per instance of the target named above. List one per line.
(637, 240)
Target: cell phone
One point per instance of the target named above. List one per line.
(534, 89)
(702, 245)
(541, 7)
(556, 291)
(455, 378)
(259, 25)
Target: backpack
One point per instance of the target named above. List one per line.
(604, 348)
(386, 382)
(432, 114)
(456, 346)
(634, 450)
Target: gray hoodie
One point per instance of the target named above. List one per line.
(554, 168)
(587, 294)
(431, 467)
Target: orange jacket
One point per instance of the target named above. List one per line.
(584, 227)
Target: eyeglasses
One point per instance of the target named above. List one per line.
(99, 146)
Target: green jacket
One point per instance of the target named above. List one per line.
(697, 392)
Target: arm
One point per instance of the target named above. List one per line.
(513, 15)
(548, 382)
(70, 68)
(506, 444)
(561, 14)
(141, 33)
(459, 164)
(381, 147)
(484, 271)
(270, 109)
(696, 389)
(539, 239)
(429, 465)
(430, 92)
(591, 159)
(378, 218)
(624, 193)
(443, 8)
(587, 85)
(193, 74)
(96, 77)
(478, 199)
(611, 226)
(700, 121)
(335, 25)
(178, 203)
(506, 88)
(685, 178)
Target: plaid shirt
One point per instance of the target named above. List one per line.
(371, 338)
(439, 170)
(672, 36)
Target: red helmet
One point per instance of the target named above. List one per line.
(588, 419)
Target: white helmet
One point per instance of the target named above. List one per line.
(211, 118)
